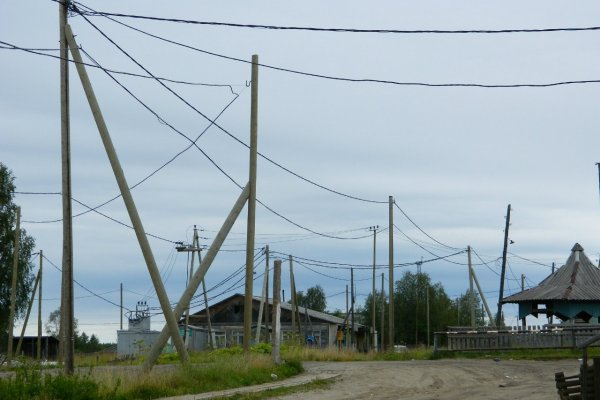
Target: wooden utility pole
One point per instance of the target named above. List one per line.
(193, 285)
(292, 297)
(391, 274)
(346, 328)
(251, 226)
(210, 335)
(373, 330)
(427, 301)
(524, 320)
(295, 306)
(121, 306)
(29, 307)
(39, 325)
(483, 300)
(471, 292)
(67, 338)
(551, 318)
(267, 297)
(276, 338)
(130, 206)
(382, 313)
(503, 272)
(13, 287)
(263, 298)
(352, 337)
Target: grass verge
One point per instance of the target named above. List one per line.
(215, 372)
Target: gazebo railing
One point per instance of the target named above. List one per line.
(493, 339)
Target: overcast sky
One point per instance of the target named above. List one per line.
(452, 157)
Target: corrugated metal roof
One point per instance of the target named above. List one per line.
(577, 280)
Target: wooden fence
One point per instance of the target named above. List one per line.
(460, 339)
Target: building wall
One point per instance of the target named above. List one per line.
(131, 343)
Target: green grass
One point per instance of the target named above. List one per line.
(210, 371)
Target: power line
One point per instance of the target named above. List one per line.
(484, 263)
(85, 288)
(358, 80)
(38, 51)
(75, 9)
(422, 231)
(529, 260)
(213, 122)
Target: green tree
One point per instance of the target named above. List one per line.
(366, 314)
(410, 308)
(463, 311)
(314, 298)
(53, 324)
(8, 220)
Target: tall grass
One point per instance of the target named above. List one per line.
(210, 371)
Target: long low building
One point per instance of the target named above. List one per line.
(227, 325)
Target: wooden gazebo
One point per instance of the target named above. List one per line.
(571, 292)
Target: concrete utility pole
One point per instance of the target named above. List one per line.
(503, 273)
(417, 302)
(67, 337)
(391, 274)
(471, 292)
(276, 338)
(251, 226)
(292, 297)
(129, 204)
(373, 330)
(195, 247)
(13, 287)
(39, 325)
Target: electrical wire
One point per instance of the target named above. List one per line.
(422, 231)
(358, 80)
(193, 143)
(36, 51)
(530, 260)
(213, 122)
(73, 6)
(85, 288)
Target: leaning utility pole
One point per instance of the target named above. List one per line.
(136, 221)
(391, 274)
(29, 306)
(13, 290)
(251, 226)
(373, 330)
(502, 274)
(67, 337)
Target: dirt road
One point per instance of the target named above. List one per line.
(442, 379)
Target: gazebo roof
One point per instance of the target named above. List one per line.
(578, 280)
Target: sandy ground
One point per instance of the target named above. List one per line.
(442, 379)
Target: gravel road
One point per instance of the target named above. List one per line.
(441, 379)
